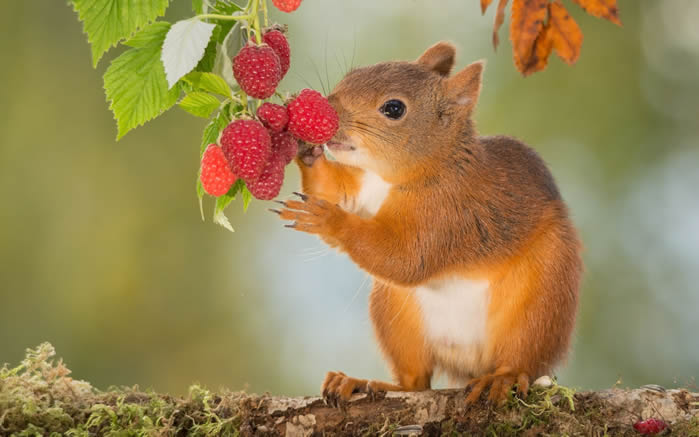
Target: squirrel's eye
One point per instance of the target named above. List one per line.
(393, 109)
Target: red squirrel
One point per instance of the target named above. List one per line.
(476, 264)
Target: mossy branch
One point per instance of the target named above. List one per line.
(40, 398)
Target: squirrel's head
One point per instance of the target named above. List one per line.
(393, 115)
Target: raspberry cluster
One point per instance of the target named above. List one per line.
(257, 151)
(650, 426)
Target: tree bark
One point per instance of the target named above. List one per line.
(440, 412)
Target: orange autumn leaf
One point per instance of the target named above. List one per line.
(499, 19)
(565, 34)
(601, 9)
(540, 54)
(526, 24)
(537, 27)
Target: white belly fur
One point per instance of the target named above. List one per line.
(454, 310)
(455, 315)
(370, 197)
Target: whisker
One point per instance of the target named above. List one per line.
(356, 293)
(368, 126)
(320, 79)
(387, 137)
(337, 61)
(303, 79)
(354, 48)
(327, 78)
(407, 295)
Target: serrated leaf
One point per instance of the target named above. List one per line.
(200, 104)
(210, 82)
(223, 201)
(184, 46)
(135, 81)
(212, 130)
(208, 61)
(106, 22)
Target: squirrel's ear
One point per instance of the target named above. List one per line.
(439, 58)
(465, 86)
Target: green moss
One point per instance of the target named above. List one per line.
(39, 398)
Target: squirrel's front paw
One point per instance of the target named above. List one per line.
(313, 215)
(309, 153)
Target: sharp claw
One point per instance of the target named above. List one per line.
(293, 225)
(281, 202)
(301, 195)
(276, 211)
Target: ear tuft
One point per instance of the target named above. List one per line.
(465, 86)
(439, 58)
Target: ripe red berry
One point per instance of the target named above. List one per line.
(257, 70)
(216, 176)
(285, 145)
(278, 42)
(273, 116)
(247, 146)
(287, 5)
(311, 118)
(269, 184)
(649, 426)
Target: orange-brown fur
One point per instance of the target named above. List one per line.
(460, 206)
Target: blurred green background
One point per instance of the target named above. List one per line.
(103, 252)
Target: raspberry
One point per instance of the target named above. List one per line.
(280, 45)
(649, 426)
(311, 118)
(216, 177)
(287, 5)
(285, 145)
(247, 147)
(274, 117)
(270, 182)
(257, 70)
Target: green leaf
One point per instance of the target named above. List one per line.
(224, 7)
(210, 82)
(200, 104)
(208, 61)
(135, 81)
(212, 130)
(106, 22)
(247, 198)
(223, 201)
(198, 6)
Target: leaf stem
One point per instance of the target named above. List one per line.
(264, 12)
(244, 100)
(223, 17)
(256, 21)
